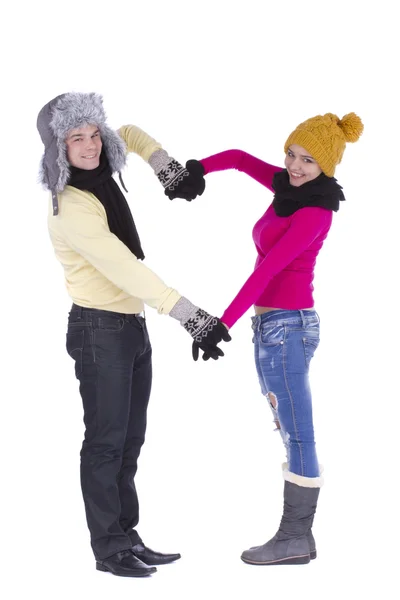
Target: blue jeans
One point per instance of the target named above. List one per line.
(284, 344)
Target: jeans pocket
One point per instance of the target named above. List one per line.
(74, 344)
(272, 335)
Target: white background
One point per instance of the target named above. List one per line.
(202, 77)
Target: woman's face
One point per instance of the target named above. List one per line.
(300, 165)
(84, 147)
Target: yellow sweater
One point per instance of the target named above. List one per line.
(100, 271)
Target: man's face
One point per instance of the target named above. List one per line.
(84, 147)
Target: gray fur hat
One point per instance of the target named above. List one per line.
(55, 120)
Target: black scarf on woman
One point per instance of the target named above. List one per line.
(99, 181)
(322, 191)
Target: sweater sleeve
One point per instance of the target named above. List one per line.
(87, 234)
(306, 225)
(138, 141)
(237, 159)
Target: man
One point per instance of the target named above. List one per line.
(95, 239)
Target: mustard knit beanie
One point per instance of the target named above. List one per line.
(325, 137)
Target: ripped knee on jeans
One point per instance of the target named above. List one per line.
(272, 399)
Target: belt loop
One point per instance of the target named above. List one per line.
(303, 319)
(79, 312)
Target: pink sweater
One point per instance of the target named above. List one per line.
(287, 247)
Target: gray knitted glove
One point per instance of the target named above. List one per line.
(207, 331)
(178, 181)
(169, 172)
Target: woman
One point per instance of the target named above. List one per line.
(288, 238)
(95, 239)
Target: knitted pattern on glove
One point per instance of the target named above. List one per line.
(178, 181)
(168, 170)
(206, 330)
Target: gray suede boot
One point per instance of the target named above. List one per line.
(310, 537)
(293, 542)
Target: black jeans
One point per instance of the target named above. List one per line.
(112, 355)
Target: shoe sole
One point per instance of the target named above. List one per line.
(151, 563)
(290, 560)
(104, 569)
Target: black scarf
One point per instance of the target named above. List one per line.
(99, 181)
(322, 191)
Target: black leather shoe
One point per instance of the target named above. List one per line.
(150, 557)
(125, 564)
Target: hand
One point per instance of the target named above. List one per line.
(209, 344)
(207, 331)
(191, 186)
(178, 181)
